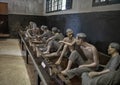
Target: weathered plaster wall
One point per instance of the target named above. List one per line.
(25, 7)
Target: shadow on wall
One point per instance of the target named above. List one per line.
(74, 23)
(64, 22)
(101, 27)
(101, 46)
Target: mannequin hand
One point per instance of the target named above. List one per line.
(93, 74)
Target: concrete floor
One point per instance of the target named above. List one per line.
(12, 66)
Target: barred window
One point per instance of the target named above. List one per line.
(104, 2)
(58, 5)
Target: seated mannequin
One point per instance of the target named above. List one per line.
(67, 43)
(53, 42)
(58, 52)
(44, 36)
(109, 76)
(46, 33)
(33, 33)
(89, 51)
(28, 28)
(42, 39)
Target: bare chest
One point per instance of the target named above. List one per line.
(87, 52)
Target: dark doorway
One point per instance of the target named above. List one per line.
(4, 31)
